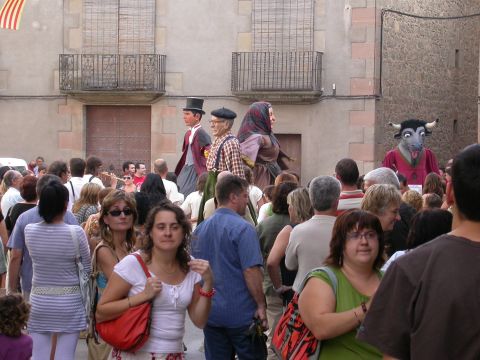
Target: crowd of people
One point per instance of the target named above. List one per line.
(230, 237)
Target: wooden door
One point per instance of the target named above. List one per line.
(119, 133)
(291, 144)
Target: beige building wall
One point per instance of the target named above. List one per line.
(198, 39)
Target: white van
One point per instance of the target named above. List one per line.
(17, 164)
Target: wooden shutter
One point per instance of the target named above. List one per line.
(119, 27)
(282, 25)
(136, 27)
(100, 27)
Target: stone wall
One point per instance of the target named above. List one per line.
(429, 71)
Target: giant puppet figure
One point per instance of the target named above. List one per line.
(410, 157)
(196, 144)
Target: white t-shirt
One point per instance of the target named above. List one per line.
(10, 198)
(264, 211)
(191, 205)
(169, 307)
(76, 183)
(394, 257)
(172, 192)
(94, 180)
(255, 195)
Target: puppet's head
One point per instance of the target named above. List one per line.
(412, 133)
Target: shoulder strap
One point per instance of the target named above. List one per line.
(142, 264)
(94, 255)
(73, 191)
(325, 269)
(91, 178)
(75, 241)
(219, 151)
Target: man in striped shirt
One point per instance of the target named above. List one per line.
(346, 171)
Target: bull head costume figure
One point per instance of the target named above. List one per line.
(410, 157)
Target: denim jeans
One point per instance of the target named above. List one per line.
(222, 343)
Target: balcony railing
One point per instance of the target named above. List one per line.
(112, 72)
(268, 72)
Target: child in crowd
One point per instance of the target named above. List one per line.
(266, 209)
(14, 312)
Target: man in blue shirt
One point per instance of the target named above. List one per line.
(20, 261)
(231, 246)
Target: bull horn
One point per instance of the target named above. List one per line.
(431, 125)
(395, 126)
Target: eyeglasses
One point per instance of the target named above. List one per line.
(125, 212)
(370, 235)
(215, 122)
(127, 177)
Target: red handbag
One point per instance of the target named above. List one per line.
(292, 340)
(131, 330)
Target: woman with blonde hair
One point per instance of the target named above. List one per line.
(92, 226)
(413, 198)
(87, 203)
(300, 210)
(117, 220)
(384, 201)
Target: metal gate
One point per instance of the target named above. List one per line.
(119, 133)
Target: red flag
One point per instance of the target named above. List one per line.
(11, 13)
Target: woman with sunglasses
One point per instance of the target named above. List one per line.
(175, 286)
(356, 255)
(117, 219)
(129, 186)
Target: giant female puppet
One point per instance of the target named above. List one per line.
(260, 148)
(410, 157)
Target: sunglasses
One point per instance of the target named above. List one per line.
(125, 212)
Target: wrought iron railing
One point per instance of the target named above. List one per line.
(108, 72)
(276, 71)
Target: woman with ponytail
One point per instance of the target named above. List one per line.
(56, 300)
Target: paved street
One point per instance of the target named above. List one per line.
(193, 340)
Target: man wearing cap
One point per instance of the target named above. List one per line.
(196, 143)
(225, 151)
(224, 155)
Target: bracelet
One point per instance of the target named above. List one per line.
(364, 307)
(129, 304)
(207, 294)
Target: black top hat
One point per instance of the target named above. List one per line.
(195, 104)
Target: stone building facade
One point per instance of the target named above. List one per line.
(430, 71)
(343, 116)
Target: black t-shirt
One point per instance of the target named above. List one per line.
(428, 303)
(145, 202)
(14, 212)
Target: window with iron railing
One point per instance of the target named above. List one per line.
(118, 49)
(282, 58)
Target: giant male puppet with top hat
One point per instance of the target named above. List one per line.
(196, 144)
(410, 157)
